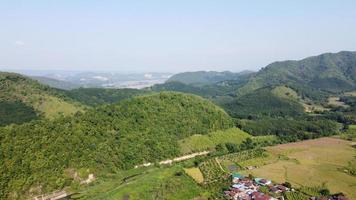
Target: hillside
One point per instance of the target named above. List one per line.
(45, 154)
(331, 72)
(55, 83)
(269, 101)
(27, 96)
(207, 77)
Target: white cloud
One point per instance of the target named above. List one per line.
(19, 43)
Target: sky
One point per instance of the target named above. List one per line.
(170, 36)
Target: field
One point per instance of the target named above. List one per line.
(195, 173)
(312, 163)
(144, 183)
(197, 143)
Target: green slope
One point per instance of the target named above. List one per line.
(269, 101)
(332, 72)
(105, 139)
(25, 92)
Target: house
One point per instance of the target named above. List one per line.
(260, 196)
(262, 181)
(236, 177)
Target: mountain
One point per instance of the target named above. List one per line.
(55, 83)
(207, 77)
(330, 72)
(25, 99)
(44, 155)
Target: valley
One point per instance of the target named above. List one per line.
(292, 121)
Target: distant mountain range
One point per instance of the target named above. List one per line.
(207, 77)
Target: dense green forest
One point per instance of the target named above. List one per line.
(104, 139)
(263, 102)
(98, 96)
(328, 72)
(15, 112)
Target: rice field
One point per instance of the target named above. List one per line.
(312, 163)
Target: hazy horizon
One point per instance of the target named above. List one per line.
(156, 36)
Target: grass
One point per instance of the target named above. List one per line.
(197, 143)
(285, 92)
(195, 173)
(145, 183)
(312, 163)
(52, 107)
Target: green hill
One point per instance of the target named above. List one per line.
(269, 101)
(331, 72)
(24, 96)
(45, 154)
(207, 77)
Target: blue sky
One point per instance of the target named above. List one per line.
(170, 36)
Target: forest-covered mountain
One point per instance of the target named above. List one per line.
(23, 99)
(41, 154)
(332, 72)
(207, 77)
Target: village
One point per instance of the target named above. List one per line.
(250, 188)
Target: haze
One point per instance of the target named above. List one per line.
(170, 36)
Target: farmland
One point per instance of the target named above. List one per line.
(144, 183)
(312, 163)
(198, 142)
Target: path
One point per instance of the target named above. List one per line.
(177, 159)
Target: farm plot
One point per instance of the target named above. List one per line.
(212, 171)
(312, 163)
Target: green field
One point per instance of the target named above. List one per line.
(145, 183)
(312, 163)
(198, 142)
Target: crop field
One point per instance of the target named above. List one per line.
(197, 143)
(212, 171)
(312, 163)
(195, 173)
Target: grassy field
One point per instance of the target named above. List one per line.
(312, 163)
(145, 183)
(195, 173)
(197, 143)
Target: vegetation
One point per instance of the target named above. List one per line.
(103, 140)
(264, 102)
(15, 112)
(26, 94)
(328, 72)
(197, 143)
(291, 129)
(99, 96)
(151, 183)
